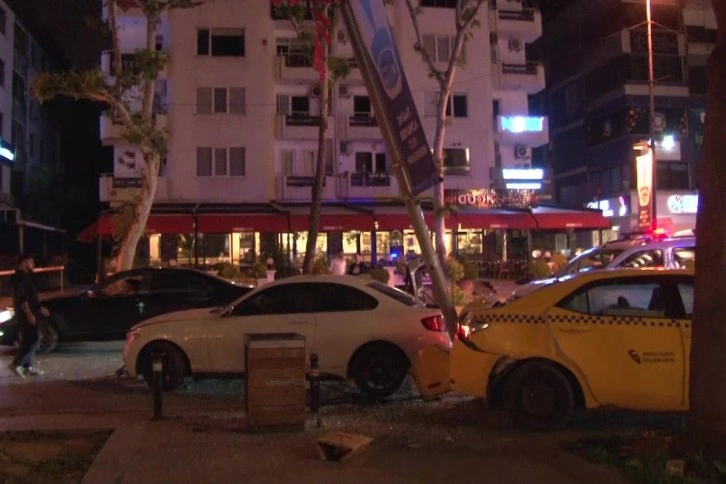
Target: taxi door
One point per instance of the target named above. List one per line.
(623, 337)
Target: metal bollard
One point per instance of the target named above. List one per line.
(314, 385)
(157, 367)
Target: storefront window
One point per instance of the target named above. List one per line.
(216, 248)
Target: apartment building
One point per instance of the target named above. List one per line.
(596, 58)
(241, 100)
(29, 137)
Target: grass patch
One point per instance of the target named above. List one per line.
(644, 457)
(48, 456)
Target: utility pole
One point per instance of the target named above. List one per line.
(651, 93)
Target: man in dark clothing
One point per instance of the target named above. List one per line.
(28, 310)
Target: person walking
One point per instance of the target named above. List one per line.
(28, 311)
(339, 265)
(357, 267)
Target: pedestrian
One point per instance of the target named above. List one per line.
(339, 265)
(357, 267)
(28, 311)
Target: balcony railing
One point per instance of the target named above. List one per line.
(530, 68)
(302, 120)
(526, 15)
(362, 120)
(370, 179)
(301, 181)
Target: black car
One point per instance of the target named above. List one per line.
(108, 310)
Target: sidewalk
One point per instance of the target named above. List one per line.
(218, 450)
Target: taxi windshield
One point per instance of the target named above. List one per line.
(598, 258)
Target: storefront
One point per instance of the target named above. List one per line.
(676, 211)
(487, 224)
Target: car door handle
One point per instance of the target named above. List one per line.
(575, 328)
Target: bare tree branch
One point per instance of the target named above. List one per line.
(419, 46)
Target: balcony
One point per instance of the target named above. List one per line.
(110, 131)
(522, 130)
(295, 67)
(367, 185)
(525, 24)
(118, 190)
(528, 77)
(298, 126)
(359, 127)
(299, 188)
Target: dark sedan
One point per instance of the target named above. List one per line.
(106, 311)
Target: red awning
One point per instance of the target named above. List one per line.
(242, 222)
(492, 219)
(332, 221)
(399, 220)
(156, 224)
(551, 219)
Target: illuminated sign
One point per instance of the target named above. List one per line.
(524, 185)
(613, 207)
(522, 174)
(490, 198)
(644, 169)
(683, 204)
(521, 124)
(7, 152)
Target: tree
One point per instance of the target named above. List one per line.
(465, 20)
(707, 419)
(131, 83)
(330, 69)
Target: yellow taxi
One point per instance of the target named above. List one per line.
(617, 338)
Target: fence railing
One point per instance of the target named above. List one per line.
(43, 277)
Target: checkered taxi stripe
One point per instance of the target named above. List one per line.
(579, 319)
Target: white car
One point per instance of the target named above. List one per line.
(358, 327)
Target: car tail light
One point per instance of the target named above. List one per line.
(434, 323)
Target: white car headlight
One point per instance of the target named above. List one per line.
(6, 315)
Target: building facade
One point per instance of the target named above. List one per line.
(596, 58)
(240, 98)
(29, 135)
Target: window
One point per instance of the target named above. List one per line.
(221, 161)
(308, 168)
(287, 158)
(686, 292)
(284, 299)
(221, 42)
(362, 108)
(392, 292)
(621, 298)
(363, 162)
(440, 47)
(237, 161)
(3, 21)
(204, 161)
(456, 161)
(295, 52)
(221, 100)
(2, 73)
(645, 258)
(684, 257)
(457, 109)
(673, 176)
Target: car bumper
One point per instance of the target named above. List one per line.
(461, 369)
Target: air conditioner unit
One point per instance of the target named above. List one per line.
(522, 152)
(343, 90)
(315, 92)
(10, 216)
(345, 147)
(515, 45)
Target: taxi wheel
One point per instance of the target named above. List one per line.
(538, 396)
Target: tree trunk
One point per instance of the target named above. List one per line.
(439, 206)
(141, 210)
(707, 419)
(151, 155)
(317, 191)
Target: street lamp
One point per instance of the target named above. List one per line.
(651, 94)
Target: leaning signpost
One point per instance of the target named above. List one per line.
(412, 160)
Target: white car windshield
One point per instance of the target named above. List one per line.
(598, 258)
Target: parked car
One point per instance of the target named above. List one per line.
(671, 253)
(359, 328)
(616, 338)
(106, 311)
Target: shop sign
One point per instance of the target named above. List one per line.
(490, 198)
(683, 204)
(612, 207)
(644, 168)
